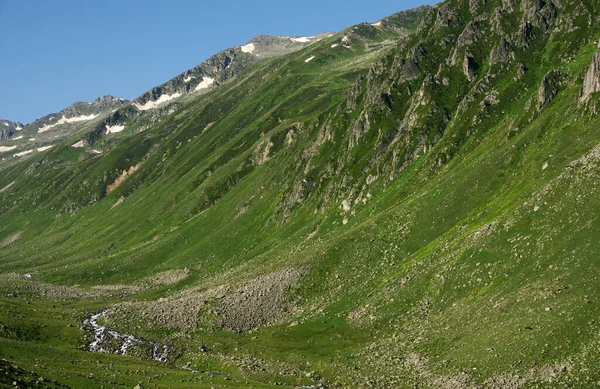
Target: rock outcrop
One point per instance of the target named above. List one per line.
(8, 128)
(591, 83)
(470, 67)
(548, 88)
(501, 53)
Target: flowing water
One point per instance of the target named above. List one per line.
(108, 341)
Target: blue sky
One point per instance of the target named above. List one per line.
(54, 53)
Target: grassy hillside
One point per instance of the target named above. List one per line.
(375, 210)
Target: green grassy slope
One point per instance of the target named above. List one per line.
(393, 212)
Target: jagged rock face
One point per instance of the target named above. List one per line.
(542, 14)
(100, 105)
(8, 129)
(353, 94)
(410, 71)
(224, 66)
(501, 53)
(470, 67)
(470, 35)
(447, 14)
(474, 6)
(548, 88)
(509, 5)
(45, 132)
(591, 83)
(79, 110)
(404, 20)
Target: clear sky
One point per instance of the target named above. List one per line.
(54, 53)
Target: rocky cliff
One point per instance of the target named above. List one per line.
(8, 129)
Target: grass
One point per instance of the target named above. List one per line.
(469, 260)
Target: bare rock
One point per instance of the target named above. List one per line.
(470, 35)
(548, 88)
(521, 70)
(409, 71)
(591, 83)
(470, 67)
(523, 35)
(474, 6)
(509, 5)
(447, 14)
(501, 53)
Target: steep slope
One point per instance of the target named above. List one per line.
(152, 106)
(43, 133)
(373, 210)
(222, 67)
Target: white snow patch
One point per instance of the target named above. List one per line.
(18, 137)
(376, 24)
(114, 129)
(6, 124)
(335, 45)
(153, 104)
(44, 148)
(7, 148)
(307, 60)
(31, 139)
(82, 118)
(96, 151)
(249, 48)
(302, 39)
(22, 153)
(19, 128)
(206, 82)
(188, 79)
(78, 144)
(46, 127)
(65, 120)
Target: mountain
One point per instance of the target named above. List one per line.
(221, 67)
(45, 132)
(8, 128)
(410, 202)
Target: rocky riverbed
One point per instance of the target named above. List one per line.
(109, 341)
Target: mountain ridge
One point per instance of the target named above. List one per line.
(377, 209)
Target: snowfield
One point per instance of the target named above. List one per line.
(65, 120)
(154, 104)
(302, 39)
(114, 129)
(7, 148)
(22, 153)
(206, 82)
(249, 48)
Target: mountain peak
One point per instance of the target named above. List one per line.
(8, 128)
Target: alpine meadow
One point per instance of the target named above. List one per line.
(408, 203)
